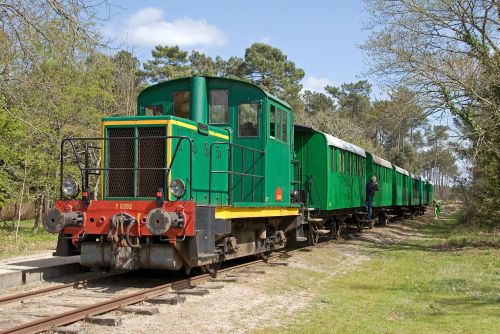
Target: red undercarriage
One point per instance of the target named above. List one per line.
(97, 217)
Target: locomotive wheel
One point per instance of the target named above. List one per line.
(264, 256)
(211, 269)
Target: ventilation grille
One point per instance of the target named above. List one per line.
(120, 183)
(151, 154)
(121, 154)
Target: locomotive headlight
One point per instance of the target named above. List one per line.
(70, 188)
(177, 188)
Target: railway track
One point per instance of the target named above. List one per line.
(113, 301)
(78, 313)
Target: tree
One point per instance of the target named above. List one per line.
(353, 98)
(22, 18)
(169, 62)
(448, 52)
(317, 102)
(269, 68)
(127, 83)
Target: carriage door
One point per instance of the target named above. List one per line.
(278, 182)
(247, 157)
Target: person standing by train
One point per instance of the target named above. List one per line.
(371, 188)
(437, 208)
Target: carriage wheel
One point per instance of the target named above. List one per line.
(360, 226)
(336, 230)
(313, 236)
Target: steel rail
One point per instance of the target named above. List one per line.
(20, 296)
(71, 316)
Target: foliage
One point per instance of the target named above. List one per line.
(448, 52)
(28, 242)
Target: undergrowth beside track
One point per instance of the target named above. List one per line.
(28, 242)
(445, 280)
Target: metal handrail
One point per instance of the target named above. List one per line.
(230, 172)
(84, 172)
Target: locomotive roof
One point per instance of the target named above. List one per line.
(381, 162)
(269, 95)
(401, 170)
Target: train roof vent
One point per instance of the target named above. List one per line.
(401, 170)
(337, 142)
(381, 162)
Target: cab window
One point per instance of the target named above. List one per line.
(218, 108)
(248, 119)
(284, 125)
(272, 115)
(181, 104)
(153, 110)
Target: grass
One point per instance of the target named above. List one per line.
(27, 243)
(441, 283)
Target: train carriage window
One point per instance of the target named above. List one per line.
(284, 126)
(331, 159)
(272, 114)
(340, 161)
(344, 162)
(277, 124)
(218, 110)
(248, 119)
(181, 104)
(334, 153)
(153, 110)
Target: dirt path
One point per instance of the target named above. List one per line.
(271, 298)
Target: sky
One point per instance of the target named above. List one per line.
(321, 37)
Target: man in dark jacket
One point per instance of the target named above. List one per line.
(371, 188)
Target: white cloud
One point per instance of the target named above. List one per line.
(316, 84)
(148, 27)
(265, 40)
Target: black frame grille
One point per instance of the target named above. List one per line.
(120, 183)
(150, 154)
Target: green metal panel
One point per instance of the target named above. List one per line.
(397, 186)
(201, 160)
(407, 190)
(429, 187)
(311, 150)
(421, 191)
